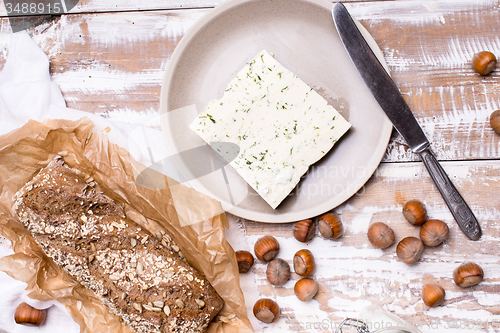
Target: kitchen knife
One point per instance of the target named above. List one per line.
(392, 102)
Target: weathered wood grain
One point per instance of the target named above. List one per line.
(96, 6)
(353, 274)
(428, 47)
(108, 57)
(113, 64)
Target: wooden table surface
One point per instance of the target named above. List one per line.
(109, 56)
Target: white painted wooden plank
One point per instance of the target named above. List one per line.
(353, 274)
(101, 61)
(115, 58)
(428, 46)
(417, 7)
(95, 6)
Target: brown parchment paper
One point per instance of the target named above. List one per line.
(198, 230)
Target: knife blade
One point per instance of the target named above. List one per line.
(397, 110)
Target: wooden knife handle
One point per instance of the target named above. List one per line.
(458, 207)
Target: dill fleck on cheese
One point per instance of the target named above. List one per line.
(281, 125)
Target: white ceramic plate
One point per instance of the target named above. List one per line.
(302, 36)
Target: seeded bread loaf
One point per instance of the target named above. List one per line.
(136, 275)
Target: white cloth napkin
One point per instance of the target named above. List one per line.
(13, 293)
(27, 92)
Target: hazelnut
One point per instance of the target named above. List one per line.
(495, 121)
(305, 289)
(278, 271)
(433, 295)
(330, 226)
(245, 261)
(380, 235)
(266, 310)
(27, 315)
(409, 250)
(434, 232)
(468, 274)
(304, 230)
(484, 62)
(303, 262)
(415, 212)
(266, 248)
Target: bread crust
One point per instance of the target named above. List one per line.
(138, 276)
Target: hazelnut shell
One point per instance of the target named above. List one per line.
(409, 250)
(245, 261)
(304, 230)
(27, 315)
(305, 289)
(330, 226)
(434, 232)
(266, 248)
(380, 235)
(468, 274)
(278, 272)
(415, 212)
(433, 295)
(484, 62)
(495, 121)
(303, 262)
(266, 310)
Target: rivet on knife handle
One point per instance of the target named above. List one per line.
(458, 207)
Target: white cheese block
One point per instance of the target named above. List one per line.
(281, 125)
